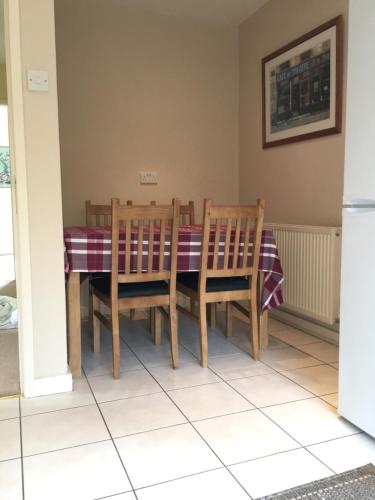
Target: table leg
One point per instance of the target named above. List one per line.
(74, 323)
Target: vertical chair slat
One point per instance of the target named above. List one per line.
(140, 246)
(217, 241)
(236, 244)
(97, 219)
(161, 246)
(191, 213)
(150, 246)
(246, 242)
(227, 243)
(128, 239)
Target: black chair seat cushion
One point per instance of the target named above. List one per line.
(127, 290)
(191, 280)
(96, 275)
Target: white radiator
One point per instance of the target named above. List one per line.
(310, 258)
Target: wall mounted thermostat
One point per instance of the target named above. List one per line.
(37, 80)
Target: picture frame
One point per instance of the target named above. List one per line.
(5, 181)
(302, 87)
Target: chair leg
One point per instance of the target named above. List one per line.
(203, 333)
(115, 343)
(254, 330)
(173, 334)
(212, 314)
(263, 330)
(132, 314)
(95, 323)
(229, 320)
(192, 306)
(157, 325)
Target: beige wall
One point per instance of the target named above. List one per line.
(301, 182)
(139, 91)
(38, 228)
(3, 83)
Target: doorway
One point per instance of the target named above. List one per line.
(9, 350)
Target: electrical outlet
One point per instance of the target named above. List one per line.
(148, 177)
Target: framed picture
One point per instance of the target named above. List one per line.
(4, 167)
(302, 87)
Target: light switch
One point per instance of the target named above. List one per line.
(37, 80)
(148, 177)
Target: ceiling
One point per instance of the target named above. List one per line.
(224, 11)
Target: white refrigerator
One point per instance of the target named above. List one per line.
(357, 309)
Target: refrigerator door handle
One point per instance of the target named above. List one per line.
(359, 205)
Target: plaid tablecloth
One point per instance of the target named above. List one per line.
(88, 249)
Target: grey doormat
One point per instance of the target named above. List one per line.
(356, 484)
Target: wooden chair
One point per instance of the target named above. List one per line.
(227, 275)
(98, 215)
(143, 287)
(187, 213)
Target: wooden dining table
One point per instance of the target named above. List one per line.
(88, 250)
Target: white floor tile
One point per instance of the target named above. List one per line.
(319, 380)
(100, 363)
(279, 472)
(62, 429)
(143, 413)
(10, 439)
(184, 376)
(332, 399)
(211, 400)
(80, 396)
(124, 496)
(237, 366)
(82, 473)
(274, 325)
(218, 345)
(161, 355)
(271, 389)
(245, 345)
(287, 359)
(9, 408)
(11, 480)
(157, 456)
(244, 436)
(217, 485)
(346, 453)
(133, 383)
(294, 337)
(310, 421)
(322, 350)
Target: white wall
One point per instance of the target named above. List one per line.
(30, 44)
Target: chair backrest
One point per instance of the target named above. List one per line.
(187, 213)
(231, 241)
(152, 226)
(98, 215)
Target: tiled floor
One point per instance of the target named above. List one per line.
(238, 429)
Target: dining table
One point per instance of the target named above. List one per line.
(87, 249)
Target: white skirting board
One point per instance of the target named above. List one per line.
(315, 329)
(48, 385)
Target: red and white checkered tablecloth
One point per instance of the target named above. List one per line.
(88, 249)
